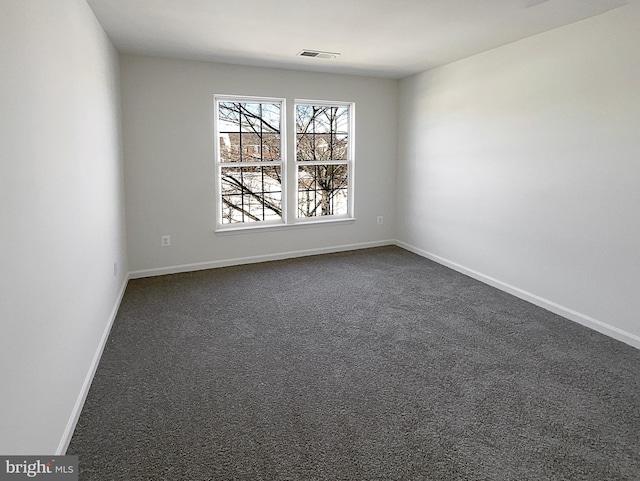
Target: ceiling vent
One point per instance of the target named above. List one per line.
(317, 54)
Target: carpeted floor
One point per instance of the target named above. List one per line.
(366, 365)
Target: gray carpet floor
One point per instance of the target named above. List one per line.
(366, 365)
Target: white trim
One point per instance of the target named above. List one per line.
(93, 367)
(590, 322)
(254, 259)
(323, 219)
(242, 228)
(322, 162)
(323, 103)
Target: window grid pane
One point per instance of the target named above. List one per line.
(249, 132)
(322, 132)
(251, 194)
(322, 190)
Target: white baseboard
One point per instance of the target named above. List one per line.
(82, 396)
(254, 259)
(554, 307)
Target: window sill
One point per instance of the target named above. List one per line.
(275, 227)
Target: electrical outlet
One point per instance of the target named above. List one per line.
(380, 219)
(165, 240)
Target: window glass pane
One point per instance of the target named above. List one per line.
(307, 178)
(322, 190)
(249, 132)
(341, 120)
(304, 147)
(271, 118)
(251, 194)
(339, 145)
(304, 115)
(230, 214)
(250, 116)
(251, 147)
(271, 147)
(322, 146)
(228, 117)
(322, 119)
(229, 147)
(231, 181)
(272, 179)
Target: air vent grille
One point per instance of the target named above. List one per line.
(317, 54)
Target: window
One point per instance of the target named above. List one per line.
(322, 159)
(249, 160)
(252, 167)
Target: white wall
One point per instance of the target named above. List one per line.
(61, 212)
(169, 161)
(520, 164)
(523, 165)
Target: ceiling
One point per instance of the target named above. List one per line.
(382, 38)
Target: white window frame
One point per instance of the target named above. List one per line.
(349, 163)
(282, 163)
(288, 166)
